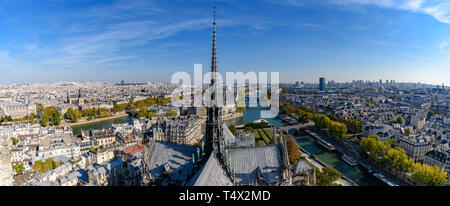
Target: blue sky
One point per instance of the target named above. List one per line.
(149, 40)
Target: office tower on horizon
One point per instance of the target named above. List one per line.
(322, 84)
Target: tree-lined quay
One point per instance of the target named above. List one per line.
(392, 159)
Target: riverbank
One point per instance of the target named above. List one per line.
(82, 122)
(353, 153)
(343, 181)
(357, 174)
(231, 116)
(287, 119)
(256, 121)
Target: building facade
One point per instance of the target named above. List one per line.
(322, 84)
(181, 130)
(438, 158)
(415, 146)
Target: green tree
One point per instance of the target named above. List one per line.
(44, 120)
(429, 175)
(233, 129)
(399, 120)
(73, 115)
(337, 129)
(78, 115)
(171, 113)
(143, 112)
(240, 109)
(407, 131)
(397, 159)
(353, 126)
(151, 115)
(327, 176)
(321, 120)
(99, 112)
(18, 168)
(14, 140)
(94, 112)
(69, 113)
(292, 148)
(373, 148)
(31, 118)
(149, 102)
(49, 163)
(56, 120)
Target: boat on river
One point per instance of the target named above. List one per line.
(326, 144)
(384, 179)
(349, 160)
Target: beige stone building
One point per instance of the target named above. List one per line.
(416, 146)
(104, 137)
(181, 130)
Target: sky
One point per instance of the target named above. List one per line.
(149, 40)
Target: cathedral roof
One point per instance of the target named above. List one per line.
(228, 136)
(246, 161)
(211, 174)
(172, 158)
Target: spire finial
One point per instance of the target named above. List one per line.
(214, 15)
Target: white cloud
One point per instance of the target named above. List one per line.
(439, 9)
(103, 47)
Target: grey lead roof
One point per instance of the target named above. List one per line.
(245, 161)
(228, 136)
(211, 174)
(176, 158)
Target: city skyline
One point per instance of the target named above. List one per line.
(86, 133)
(343, 41)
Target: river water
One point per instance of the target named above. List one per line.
(99, 125)
(333, 159)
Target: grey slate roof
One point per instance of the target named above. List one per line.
(177, 159)
(245, 161)
(438, 155)
(211, 174)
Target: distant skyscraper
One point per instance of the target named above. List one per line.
(381, 81)
(322, 84)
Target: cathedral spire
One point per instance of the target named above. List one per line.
(214, 50)
(214, 130)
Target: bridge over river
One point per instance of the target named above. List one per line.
(296, 126)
